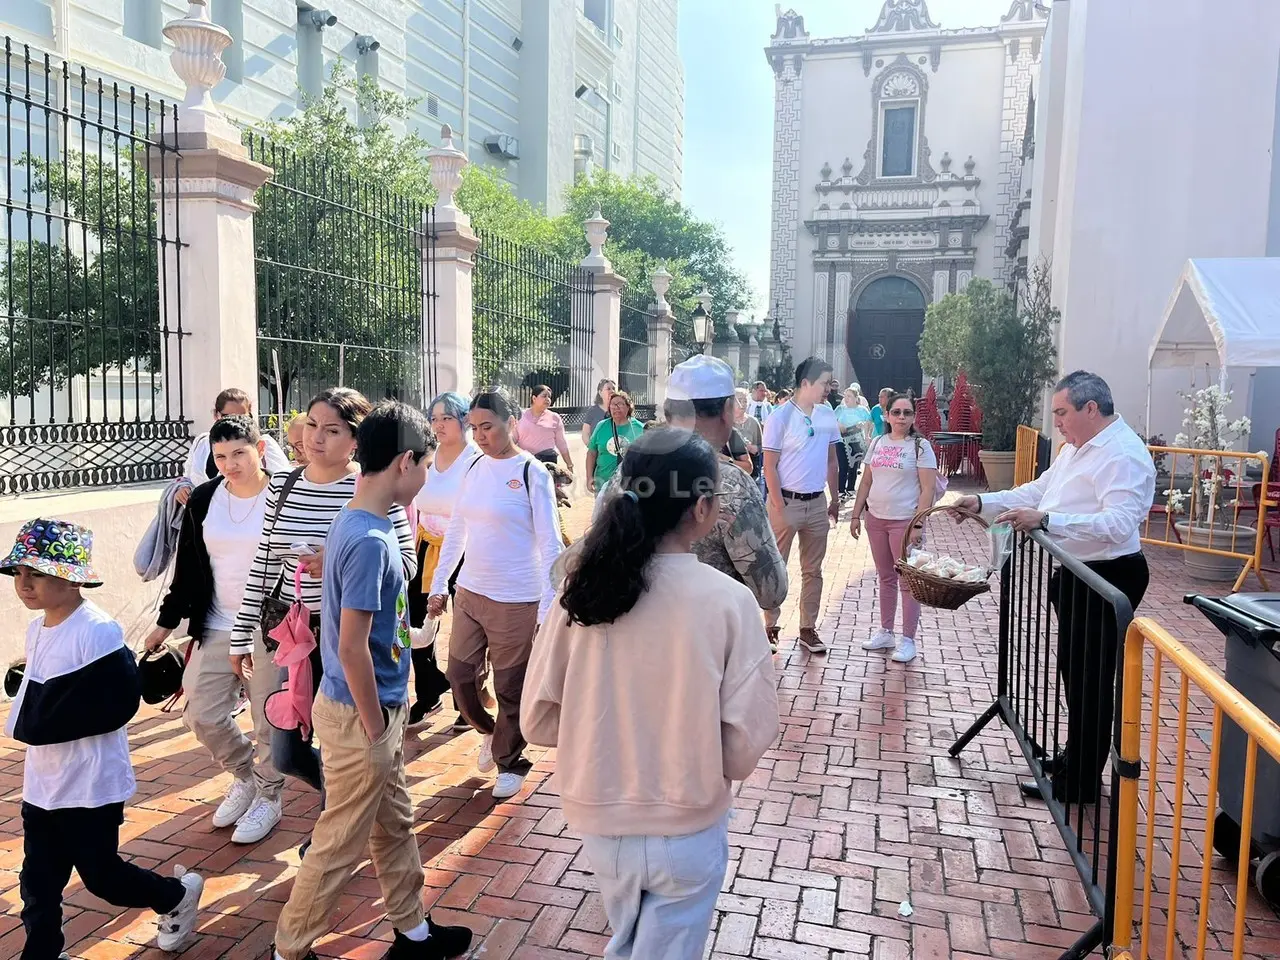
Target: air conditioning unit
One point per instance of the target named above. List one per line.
(503, 145)
(583, 145)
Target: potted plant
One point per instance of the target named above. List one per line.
(1207, 506)
(1007, 347)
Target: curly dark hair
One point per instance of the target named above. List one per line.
(664, 473)
(351, 406)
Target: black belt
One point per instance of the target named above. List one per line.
(792, 495)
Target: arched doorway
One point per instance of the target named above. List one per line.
(884, 335)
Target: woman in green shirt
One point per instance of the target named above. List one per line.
(610, 439)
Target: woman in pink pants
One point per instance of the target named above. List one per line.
(898, 479)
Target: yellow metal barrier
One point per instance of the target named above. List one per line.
(1218, 495)
(1211, 691)
(1026, 455)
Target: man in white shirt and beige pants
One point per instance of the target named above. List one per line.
(1091, 502)
(800, 441)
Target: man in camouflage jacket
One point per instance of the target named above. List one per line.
(700, 397)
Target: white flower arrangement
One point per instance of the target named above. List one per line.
(1206, 427)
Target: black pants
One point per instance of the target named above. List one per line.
(88, 839)
(293, 754)
(842, 460)
(1088, 648)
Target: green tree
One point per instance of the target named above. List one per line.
(1012, 353)
(85, 294)
(648, 227)
(948, 329)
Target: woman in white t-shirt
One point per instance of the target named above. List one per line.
(505, 534)
(219, 536)
(899, 476)
(454, 456)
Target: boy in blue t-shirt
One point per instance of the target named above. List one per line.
(361, 707)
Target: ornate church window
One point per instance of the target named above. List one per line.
(898, 151)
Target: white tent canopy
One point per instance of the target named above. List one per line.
(1223, 313)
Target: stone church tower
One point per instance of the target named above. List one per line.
(897, 171)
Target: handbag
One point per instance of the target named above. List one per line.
(290, 707)
(275, 608)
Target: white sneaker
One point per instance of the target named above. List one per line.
(175, 929)
(882, 639)
(484, 762)
(239, 798)
(508, 785)
(259, 820)
(905, 651)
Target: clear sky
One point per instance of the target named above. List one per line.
(728, 114)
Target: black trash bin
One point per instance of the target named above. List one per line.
(1251, 624)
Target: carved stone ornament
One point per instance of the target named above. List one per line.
(897, 16)
(198, 44)
(969, 166)
(847, 167)
(945, 162)
(447, 162)
(826, 171)
(900, 85)
(790, 25)
(1023, 11)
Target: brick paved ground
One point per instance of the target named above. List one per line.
(857, 809)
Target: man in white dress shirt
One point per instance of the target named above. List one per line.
(1092, 502)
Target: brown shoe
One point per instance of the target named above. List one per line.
(810, 640)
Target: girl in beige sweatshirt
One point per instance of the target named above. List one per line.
(653, 678)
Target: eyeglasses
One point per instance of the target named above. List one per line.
(902, 413)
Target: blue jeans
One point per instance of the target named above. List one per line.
(660, 892)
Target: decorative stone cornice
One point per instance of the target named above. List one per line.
(1022, 11)
(898, 16)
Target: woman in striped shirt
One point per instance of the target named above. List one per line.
(320, 492)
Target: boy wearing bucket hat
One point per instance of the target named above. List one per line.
(79, 691)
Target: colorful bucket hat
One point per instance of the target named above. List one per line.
(55, 548)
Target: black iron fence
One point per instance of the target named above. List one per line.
(91, 331)
(533, 324)
(343, 299)
(1059, 686)
(635, 375)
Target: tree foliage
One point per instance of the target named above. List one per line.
(81, 291)
(1012, 353)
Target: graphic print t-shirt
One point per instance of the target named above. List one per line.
(611, 450)
(363, 571)
(895, 482)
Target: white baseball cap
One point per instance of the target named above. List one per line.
(701, 378)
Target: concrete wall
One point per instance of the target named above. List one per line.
(482, 87)
(117, 518)
(1166, 132)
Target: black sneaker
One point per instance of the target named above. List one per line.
(302, 850)
(460, 724)
(420, 711)
(442, 942)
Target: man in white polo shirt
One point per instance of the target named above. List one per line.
(800, 440)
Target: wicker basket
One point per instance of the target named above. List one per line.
(928, 588)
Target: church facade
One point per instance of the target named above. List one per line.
(897, 177)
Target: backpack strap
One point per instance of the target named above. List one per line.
(290, 482)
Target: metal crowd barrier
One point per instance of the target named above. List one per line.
(1051, 603)
(1220, 491)
(1189, 795)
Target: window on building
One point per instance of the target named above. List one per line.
(142, 21)
(229, 14)
(597, 11)
(898, 140)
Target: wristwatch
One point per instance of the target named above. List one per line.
(1044, 523)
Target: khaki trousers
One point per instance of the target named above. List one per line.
(506, 631)
(807, 521)
(366, 805)
(211, 688)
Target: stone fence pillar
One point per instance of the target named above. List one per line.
(449, 269)
(606, 341)
(208, 173)
(662, 325)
